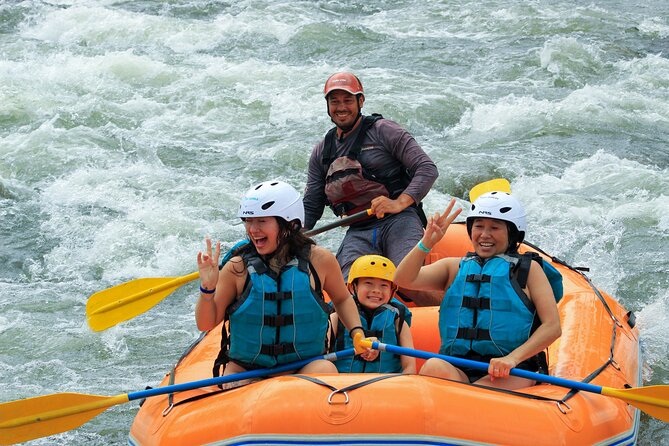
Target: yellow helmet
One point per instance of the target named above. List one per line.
(372, 266)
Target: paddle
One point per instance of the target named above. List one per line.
(119, 303)
(654, 400)
(341, 222)
(498, 185)
(41, 416)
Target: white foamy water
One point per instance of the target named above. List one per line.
(129, 131)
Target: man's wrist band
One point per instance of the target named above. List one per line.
(206, 291)
(423, 247)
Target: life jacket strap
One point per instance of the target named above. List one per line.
(279, 320)
(279, 295)
(329, 146)
(478, 334)
(277, 349)
(476, 303)
(478, 278)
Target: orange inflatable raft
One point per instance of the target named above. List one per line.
(599, 345)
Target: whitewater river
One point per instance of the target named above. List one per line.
(130, 129)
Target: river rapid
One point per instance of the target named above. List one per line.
(130, 129)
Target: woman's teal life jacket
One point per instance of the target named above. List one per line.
(279, 318)
(485, 312)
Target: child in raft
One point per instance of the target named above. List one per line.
(383, 318)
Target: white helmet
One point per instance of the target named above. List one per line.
(500, 206)
(272, 199)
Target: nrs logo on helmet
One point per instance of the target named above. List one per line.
(500, 206)
(273, 199)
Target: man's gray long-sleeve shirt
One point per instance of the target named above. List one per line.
(387, 149)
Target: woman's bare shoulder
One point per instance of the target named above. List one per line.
(447, 262)
(319, 254)
(235, 265)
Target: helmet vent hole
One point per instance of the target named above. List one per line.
(505, 210)
(267, 205)
(473, 207)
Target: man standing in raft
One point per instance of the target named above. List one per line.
(368, 162)
(489, 312)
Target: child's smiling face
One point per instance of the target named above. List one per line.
(373, 292)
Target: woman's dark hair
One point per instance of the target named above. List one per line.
(514, 238)
(291, 235)
(292, 240)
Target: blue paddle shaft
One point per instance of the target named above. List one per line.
(461, 362)
(237, 376)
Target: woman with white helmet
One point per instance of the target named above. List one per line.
(269, 288)
(486, 314)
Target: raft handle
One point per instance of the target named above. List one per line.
(631, 319)
(338, 391)
(168, 409)
(560, 405)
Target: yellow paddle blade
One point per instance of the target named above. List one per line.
(41, 416)
(654, 400)
(109, 307)
(496, 185)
